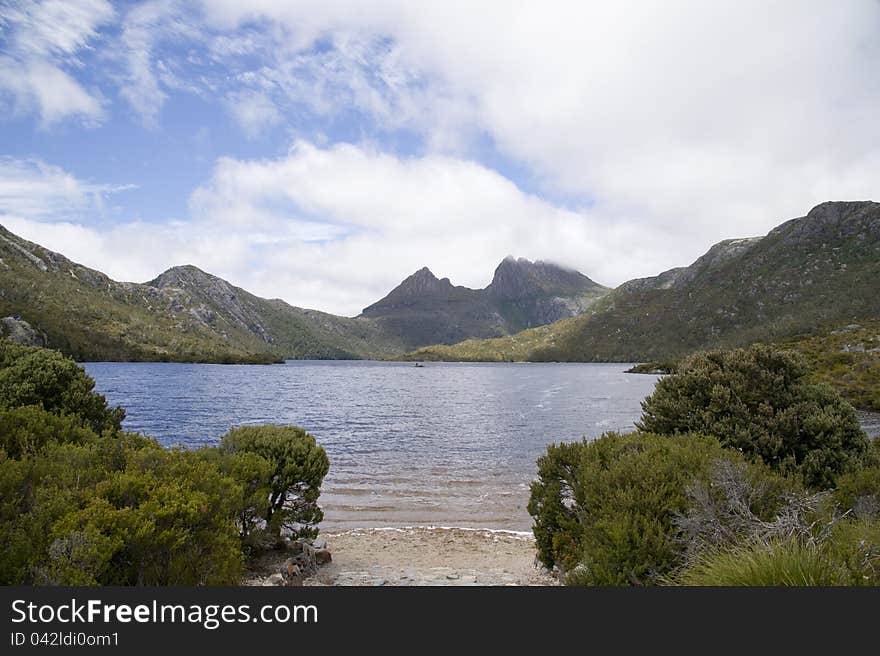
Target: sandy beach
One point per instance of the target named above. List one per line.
(419, 556)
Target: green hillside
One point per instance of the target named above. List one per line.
(807, 276)
(185, 315)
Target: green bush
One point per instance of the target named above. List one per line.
(756, 401)
(859, 491)
(855, 545)
(605, 512)
(297, 468)
(84, 503)
(28, 430)
(36, 376)
(253, 473)
(115, 509)
(168, 518)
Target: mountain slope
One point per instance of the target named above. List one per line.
(183, 315)
(291, 331)
(807, 275)
(426, 310)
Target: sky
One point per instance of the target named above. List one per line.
(320, 152)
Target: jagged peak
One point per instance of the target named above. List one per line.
(181, 274)
(424, 272)
(521, 277)
(422, 281)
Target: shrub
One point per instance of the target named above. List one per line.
(859, 491)
(297, 468)
(756, 400)
(34, 376)
(855, 545)
(782, 563)
(77, 508)
(848, 555)
(605, 511)
(84, 503)
(253, 474)
(741, 502)
(169, 518)
(26, 431)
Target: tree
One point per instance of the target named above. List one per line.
(35, 376)
(756, 400)
(298, 466)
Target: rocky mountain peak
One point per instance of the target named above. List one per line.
(420, 285)
(521, 278)
(179, 277)
(832, 220)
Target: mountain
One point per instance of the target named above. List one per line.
(808, 275)
(184, 314)
(424, 309)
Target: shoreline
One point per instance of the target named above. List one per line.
(418, 556)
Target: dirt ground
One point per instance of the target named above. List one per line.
(420, 556)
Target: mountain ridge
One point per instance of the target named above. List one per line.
(522, 294)
(188, 314)
(808, 274)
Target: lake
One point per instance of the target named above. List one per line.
(446, 444)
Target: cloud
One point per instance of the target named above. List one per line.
(55, 27)
(253, 111)
(41, 40)
(151, 33)
(40, 191)
(706, 120)
(142, 27)
(333, 228)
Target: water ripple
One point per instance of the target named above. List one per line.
(447, 443)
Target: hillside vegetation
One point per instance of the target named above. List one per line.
(807, 276)
(848, 359)
(184, 315)
(188, 315)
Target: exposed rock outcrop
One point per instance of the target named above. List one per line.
(425, 309)
(21, 332)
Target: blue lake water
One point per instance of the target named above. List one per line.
(444, 444)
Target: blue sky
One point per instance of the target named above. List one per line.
(322, 151)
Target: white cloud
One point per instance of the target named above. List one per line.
(56, 27)
(150, 32)
(47, 88)
(253, 111)
(331, 228)
(42, 39)
(141, 28)
(40, 191)
(701, 119)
